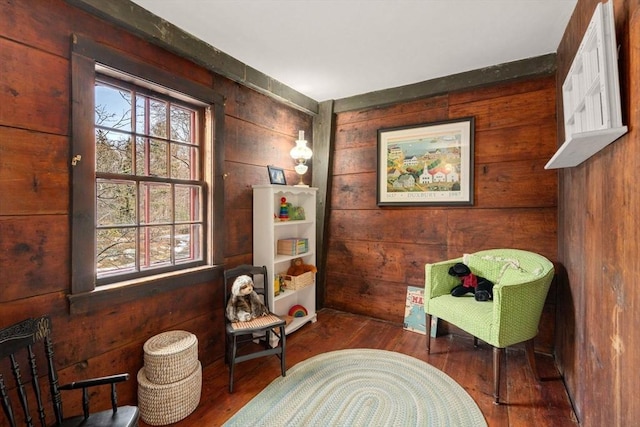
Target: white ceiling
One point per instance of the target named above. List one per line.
(332, 49)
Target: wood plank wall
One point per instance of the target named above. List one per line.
(35, 195)
(259, 132)
(375, 253)
(598, 298)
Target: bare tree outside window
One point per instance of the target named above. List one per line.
(149, 189)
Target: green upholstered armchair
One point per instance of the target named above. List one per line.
(521, 282)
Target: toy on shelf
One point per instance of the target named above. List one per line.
(284, 210)
(277, 281)
(296, 213)
(298, 311)
(298, 267)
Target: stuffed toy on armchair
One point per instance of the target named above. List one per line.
(244, 304)
(481, 288)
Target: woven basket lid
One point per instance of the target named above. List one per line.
(170, 356)
(162, 404)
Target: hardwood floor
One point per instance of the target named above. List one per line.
(526, 402)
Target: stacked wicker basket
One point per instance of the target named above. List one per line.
(170, 382)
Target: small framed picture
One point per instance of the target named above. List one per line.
(276, 176)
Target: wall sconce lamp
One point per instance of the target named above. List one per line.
(301, 153)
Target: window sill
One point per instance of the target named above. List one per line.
(110, 295)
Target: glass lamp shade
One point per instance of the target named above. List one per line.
(301, 151)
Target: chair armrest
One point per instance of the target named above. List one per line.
(517, 309)
(111, 379)
(85, 384)
(437, 280)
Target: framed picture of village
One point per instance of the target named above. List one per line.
(427, 164)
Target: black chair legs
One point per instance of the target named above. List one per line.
(283, 337)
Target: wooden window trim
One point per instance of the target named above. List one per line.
(124, 292)
(84, 296)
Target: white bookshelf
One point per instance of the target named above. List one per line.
(591, 94)
(268, 229)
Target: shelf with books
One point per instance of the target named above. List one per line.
(269, 228)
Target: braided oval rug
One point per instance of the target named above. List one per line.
(361, 387)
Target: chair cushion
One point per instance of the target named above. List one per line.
(257, 323)
(476, 318)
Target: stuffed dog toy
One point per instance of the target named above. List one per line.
(481, 288)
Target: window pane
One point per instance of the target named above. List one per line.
(188, 243)
(142, 123)
(155, 203)
(151, 158)
(158, 158)
(187, 203)
(113, 152)
(181, 124)
(113, 107)
(116, 249)
(142, 149)
(155, 246)
(115, 203)
(184, 161)
(157, 118)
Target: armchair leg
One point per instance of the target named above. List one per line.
(497, 361)
(532, 358)
(428, 330)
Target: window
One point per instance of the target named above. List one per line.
(144, 154)
(149, 182)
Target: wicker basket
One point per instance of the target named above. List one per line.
(170, 356)
(298, 282)
(162, 404)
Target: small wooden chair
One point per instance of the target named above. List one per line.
(30, 342)
(260, 328)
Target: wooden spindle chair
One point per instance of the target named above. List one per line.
(31, 340)
(246, 332)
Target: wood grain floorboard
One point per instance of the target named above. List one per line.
(526, 401)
